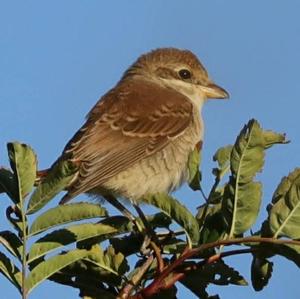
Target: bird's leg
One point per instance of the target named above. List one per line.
(150, 238)
(114, 202)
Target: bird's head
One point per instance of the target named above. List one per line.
(177, 69)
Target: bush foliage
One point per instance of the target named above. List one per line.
(82, 246)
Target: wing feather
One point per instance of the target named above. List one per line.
(129, 123)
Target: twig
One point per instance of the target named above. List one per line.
(157, 252)
(153, 238)
(125, 292)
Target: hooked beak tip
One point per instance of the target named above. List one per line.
(214, 91)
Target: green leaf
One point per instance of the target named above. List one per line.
(86, 270)
(222, 157)
(12, 215)
(121, 223)
(222, 274)
(23, 163)
(159, 220)
(290, 252)
(169, 293)
(134, 239)
(10, 271)
(65, 214)
(178, 212)
(242, 196)
(121, 244)
(284, 212)
(261, 272)
(11, 242)
(49, 267)
(59, 177)
(217, 273)
(108, 260)
(195, 285)
(247, 206)
(193, 168)
(211, 223)
(90, 288)
(272, 138)
(9, 184)
(175, 248)
(216, 194)
(67, 236)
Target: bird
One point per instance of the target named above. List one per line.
(137, 138)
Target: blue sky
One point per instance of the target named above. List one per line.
(58, 57)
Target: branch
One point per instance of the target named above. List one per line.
(158, 284)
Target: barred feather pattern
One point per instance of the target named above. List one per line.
(163, 172)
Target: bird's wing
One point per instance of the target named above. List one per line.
(129, 123)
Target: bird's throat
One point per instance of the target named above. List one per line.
(191, 91)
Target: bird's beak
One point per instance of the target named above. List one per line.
(213, 91)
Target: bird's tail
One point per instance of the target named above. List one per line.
(67, 197)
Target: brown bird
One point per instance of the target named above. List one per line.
(138, 137)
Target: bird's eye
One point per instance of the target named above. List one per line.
(185, 74)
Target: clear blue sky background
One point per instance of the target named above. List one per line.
(58, 57)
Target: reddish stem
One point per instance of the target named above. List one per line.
(158, 284)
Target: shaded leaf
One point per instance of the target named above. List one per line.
(223, 274)
(67, 236)
(10, 271)
(284, 212)
(261, 272)
(122, 225)
(11, 242)
(92, 290)
(65, 214)
(217, 273)
(86, 270)
(159, 220)
(58, 178)
(291, 252)
(47, 268)
(15, 220)
(169, 293)
(173, 246)
(9, 184)
(121, 244)
(178, 212)
(87, 281)
(206, 209)
(195, 285)
(216, 195)
(23, 163)
(193, 168)
(134, 239)
(212, 224)
(222, 157)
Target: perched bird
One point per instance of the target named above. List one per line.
(137, 138)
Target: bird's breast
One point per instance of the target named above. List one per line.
(161, 172)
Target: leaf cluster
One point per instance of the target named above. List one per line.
(103, 255)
